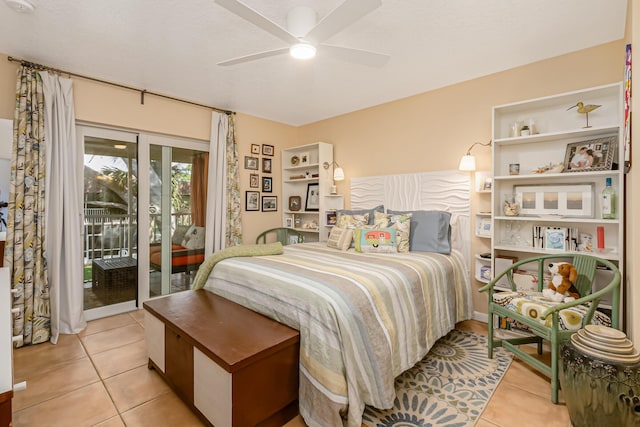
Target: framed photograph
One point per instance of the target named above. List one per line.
(295, 203)
(483, 227)
(332, 217)
(304, 158)
(251, 163)
(266, 165)
(255, 149)
(288, 222)
(313, 197)
(267, 150)
(555, 237)
(252, 200)
(487, 184)
(254, 180)
(266, 184)
(556, 200)
(269, 203)
(592, 155)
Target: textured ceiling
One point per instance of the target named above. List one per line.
(172, 47)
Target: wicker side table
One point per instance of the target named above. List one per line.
(114, 280)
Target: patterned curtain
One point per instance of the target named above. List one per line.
(25, 244)
(233, 223)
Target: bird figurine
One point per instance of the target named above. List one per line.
(585, 109)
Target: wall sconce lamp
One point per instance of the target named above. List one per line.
(338, 174)
(468, 162)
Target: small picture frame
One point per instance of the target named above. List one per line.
(591, 155)
(267, 150)
(255, 149)
(288, 222)
(252, 201)
(266, 184)
(266, 165)
(487, 184)
(251, 163)
(483, 227)
(254, 180)
(269, 203)
(295, 203)
(555, 237)
(313, 197)
(304, 159)
(332, 218)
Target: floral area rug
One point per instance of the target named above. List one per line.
(450, 387)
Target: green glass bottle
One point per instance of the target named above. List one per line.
(608, 201)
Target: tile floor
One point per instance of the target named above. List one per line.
(100, 378)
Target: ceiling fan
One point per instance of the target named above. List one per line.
(304, 36)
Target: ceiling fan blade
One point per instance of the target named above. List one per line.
(254, 56)
(340, 18)
(260, 21)
(358, 56)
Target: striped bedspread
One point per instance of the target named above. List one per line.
(363, 318)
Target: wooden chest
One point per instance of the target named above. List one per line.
(233, 366)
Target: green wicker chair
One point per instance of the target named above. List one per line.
(282, 234)
(541, 328)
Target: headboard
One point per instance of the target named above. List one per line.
(440, 190)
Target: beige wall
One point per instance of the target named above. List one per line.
(425, 132)
(431, 131)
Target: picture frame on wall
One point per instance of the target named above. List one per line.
(556, 200)
(252, 201)
(267, 184)
(251, 163)
(269, 203)
(266, 165)
(254, 180)
(255, 149)
(267, 150)
(313, 197)
(592, 155)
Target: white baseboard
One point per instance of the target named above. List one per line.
(480, 317)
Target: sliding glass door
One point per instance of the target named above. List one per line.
(177, 201)
(110, 237)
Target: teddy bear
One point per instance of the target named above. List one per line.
(561, 287)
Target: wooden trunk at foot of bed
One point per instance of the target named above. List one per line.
(232, 366)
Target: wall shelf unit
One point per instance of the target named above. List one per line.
(556, 130)
(302, 167)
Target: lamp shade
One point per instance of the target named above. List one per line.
(338, 174)
(467, 163)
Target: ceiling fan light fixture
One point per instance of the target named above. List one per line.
(302, 51)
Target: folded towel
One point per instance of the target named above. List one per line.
(233, 251)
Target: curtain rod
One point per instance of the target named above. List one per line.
(143, 92)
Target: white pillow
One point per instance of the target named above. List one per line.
(340, 238)
(194, 238)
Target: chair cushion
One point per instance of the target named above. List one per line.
(533, 304)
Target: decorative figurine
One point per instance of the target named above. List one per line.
(585, 109)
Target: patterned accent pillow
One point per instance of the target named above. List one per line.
(400, 222)
(375, 240)
(194, 238)
(340, 238)
(352, 220)
(370, 212)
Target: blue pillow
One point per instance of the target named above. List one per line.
(379, 208)
(430, 231)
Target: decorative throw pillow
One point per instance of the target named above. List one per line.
(340, 238)
(370, 212)
(178, 234)
(430, 231)
(194, 238)
(351, 221)
(376, 240)
(400, 222)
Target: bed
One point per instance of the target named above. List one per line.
(364, 318)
